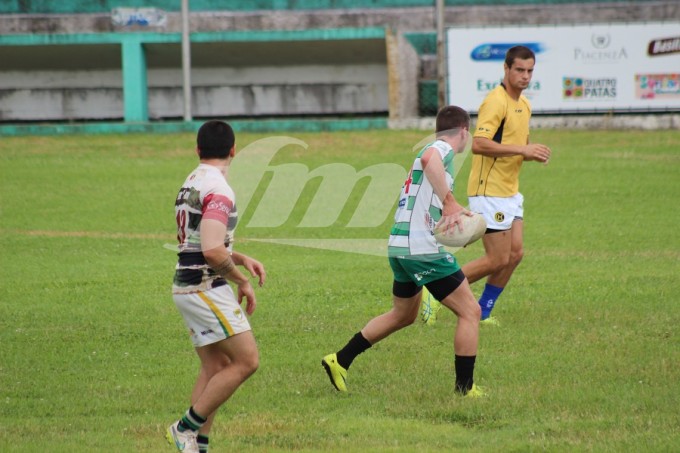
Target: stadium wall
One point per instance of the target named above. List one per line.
(98, 6)
(70, 61)
(137, 76)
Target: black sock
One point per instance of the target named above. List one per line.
(202, 441)
(191, 421)
(356, 346)
(465, 369)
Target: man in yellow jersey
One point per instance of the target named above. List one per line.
(500, 145)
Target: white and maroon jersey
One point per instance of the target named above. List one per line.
(204, 195)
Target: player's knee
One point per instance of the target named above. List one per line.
(400, 318)
(212, 367)
(412, 319)
(499, 262)
(406, 319)
(254, 362)
(516, 257)
(253, 369)
(250, 364)
(472, 311)
(476, 311)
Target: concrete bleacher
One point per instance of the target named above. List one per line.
(235, 73)
(69, 61)
(97, 6)
(94, 16)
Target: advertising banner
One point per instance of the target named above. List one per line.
(582, 68)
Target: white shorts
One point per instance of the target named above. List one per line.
(499, 212)
(212, 315)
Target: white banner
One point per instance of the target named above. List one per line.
(584, 68)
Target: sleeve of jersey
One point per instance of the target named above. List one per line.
(442, 148)
(217, 207)
(490, 115)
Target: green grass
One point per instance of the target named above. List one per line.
(95, 357)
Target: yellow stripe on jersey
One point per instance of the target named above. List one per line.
(220, 316)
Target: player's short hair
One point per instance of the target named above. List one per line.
(521, 52)
(452, 117)
(214, 140)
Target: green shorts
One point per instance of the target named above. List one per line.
(423, 269)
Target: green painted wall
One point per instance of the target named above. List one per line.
(198, 37)
(423, 43)
(135, 92)
(259, 125)
(103, 6)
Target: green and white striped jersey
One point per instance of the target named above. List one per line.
(419, 208)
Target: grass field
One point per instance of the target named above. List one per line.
(94, 356)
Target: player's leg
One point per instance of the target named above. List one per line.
(219, 379)
(228, 354)
(503, 249)
(501, 277)
(497, 281)
(498, 213)
(405, 305)
(241, 349)
(213, 363)
(454, 292)
(463, 303)
(500, 243)
(403, 313)
(497, 247)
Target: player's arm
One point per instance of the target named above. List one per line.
(433, 168)
(491, 115)
(220, 260)
(253, 266)
(530, 151)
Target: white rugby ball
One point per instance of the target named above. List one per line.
(474, 227)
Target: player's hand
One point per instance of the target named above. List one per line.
(537, 152)
(452, 217)
(245, 290)
(255, 268)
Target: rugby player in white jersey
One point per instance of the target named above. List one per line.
(206, 215)
(418, 260)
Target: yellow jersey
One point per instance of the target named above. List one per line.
(505, 121)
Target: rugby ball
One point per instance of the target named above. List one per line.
(474, 227)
